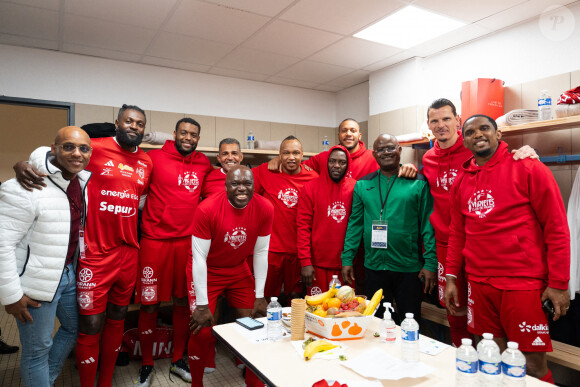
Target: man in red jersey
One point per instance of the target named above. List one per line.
(174, 192)
(441, 165)
(229, 155)
(323, 212)
(283, 190)
(510, 232)
(227, 228)
(109, 248)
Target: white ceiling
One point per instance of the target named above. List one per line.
(303, 43)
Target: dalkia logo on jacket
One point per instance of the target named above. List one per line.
(446, 180)
(289, 197)
(337, 211)
(481, 202)
(236, 238)
(188, 180)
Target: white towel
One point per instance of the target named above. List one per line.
(157, 138)
(518, 116)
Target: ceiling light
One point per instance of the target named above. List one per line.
(408, 27)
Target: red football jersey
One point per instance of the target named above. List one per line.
(214, 183)
(233, 232)
(119, 179)
(283, 191)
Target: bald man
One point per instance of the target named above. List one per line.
(39, 249)
(392, 214)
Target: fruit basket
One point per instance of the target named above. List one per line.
(344, 328)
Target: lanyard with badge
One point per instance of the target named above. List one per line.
(380, 227)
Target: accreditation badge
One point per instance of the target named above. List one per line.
(379, 234)
(82, 243)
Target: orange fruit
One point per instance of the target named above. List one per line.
(325, 304)
(334, 303)
(320, 312)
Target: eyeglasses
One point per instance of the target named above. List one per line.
(69, 148)
(389, 149)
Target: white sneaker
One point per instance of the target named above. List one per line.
(145, 376)
(181, 369)
(208, 370)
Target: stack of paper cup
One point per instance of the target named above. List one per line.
(297, 320)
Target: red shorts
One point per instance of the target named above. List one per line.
(162, 270)
(323, 277)
(110, 278)
(282, 269)
(515, 314)
(236, 284)
(460, 282)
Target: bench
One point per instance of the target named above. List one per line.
(563, 354)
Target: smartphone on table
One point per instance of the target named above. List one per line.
(250, 323)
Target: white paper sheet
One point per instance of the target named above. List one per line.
(431, 347)
(255, 336)
(377, 364)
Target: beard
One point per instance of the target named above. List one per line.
(124, 139)
(182, 151)
(483, 153)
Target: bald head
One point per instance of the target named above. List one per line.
(239, 186)
(387, 152)
(72, 151)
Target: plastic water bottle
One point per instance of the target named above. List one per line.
(489, 362)
(250, 139)
(325, 144)
(410, 337)
(513, 364)
(466, 363)
(388, 328)
(334, 281)
(274, 320)
(544, 106)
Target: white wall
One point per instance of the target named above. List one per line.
(353, 103)
(50, 75)
(518, 54)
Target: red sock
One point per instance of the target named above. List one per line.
(197, 355)
(252, 380)
(180, 331)
(111, 340)
(458, 328)
(88, 358)
(548, 378)
(147, 327)
(210, 356)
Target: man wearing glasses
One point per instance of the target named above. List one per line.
(392, 214)
(39, 251)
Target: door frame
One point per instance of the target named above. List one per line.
(69, 107)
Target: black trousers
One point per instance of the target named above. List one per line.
(402, 288)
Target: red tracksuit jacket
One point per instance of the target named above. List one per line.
(362, 162)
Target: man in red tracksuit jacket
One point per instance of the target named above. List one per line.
(509, 229)
(283, 190)
(174, 192)
(323, 212)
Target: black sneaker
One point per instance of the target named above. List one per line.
(6, 349)
(145, 376)
(181, 369)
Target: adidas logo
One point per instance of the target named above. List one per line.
(193, 357)
(109, 163)
(538, 341)
(90, 360)
(147, 332)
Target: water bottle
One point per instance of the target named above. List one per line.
(410, 337)
(466, 363)
(513, 364)
(334, 281)
(250, 139)
(274, 320)
(325, 145)
(388, 329)
(489, 362)
(544, 106)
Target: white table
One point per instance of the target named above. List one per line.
(278, 364)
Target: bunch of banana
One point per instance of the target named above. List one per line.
(317, 346)
(319, 298)
(372, 305)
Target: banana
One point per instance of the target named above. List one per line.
(319, 298)
(317, 346)
(371, 306)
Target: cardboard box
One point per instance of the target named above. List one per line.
(340, 328)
